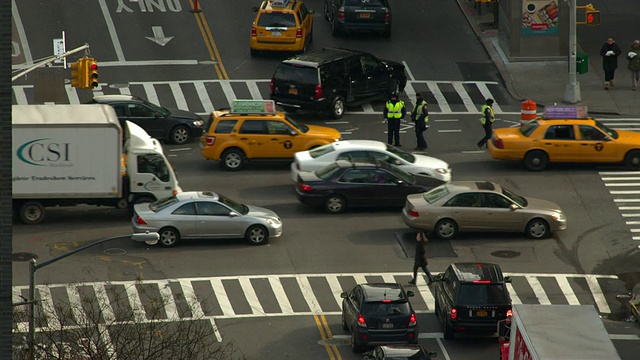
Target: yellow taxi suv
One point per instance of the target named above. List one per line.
(281, 25)
(253, 129)
(543, 141)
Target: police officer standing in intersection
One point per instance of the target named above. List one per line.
(394, 111)
(486, 120)
(420, 117)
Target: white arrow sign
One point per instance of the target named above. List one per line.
(158, 36)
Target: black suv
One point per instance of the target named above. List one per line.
(176, 126)
(358, 16)
(471, 297)
(379, 314)
(330, 79)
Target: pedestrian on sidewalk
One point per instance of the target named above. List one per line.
(486, 120)
(394, 112)
(634, 63)
(420, 117)
(420, 260)
(609, 52)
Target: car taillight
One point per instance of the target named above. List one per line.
(481, 281)
(254, 32)
(299, 33)
(509, 313)
(413, 320)
(272, 85)
(341, 13)
(305, 187)
(414, 213)
(498, 143)
(361, 321)
(210, 140)
(454, 314)
(317, 94)
(387, 15)
(140, 221)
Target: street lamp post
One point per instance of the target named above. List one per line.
(149, 238)
(572, 90)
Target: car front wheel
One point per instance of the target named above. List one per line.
(179, 135)
(257, 235)
(632, 160)
(537, 229)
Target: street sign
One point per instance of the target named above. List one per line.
(58, 49)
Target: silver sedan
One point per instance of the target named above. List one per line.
(205, 215)
(481, 206)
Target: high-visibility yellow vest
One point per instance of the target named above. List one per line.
(417, 109)
(394, 111)
(484, 108)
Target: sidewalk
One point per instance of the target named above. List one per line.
(544, 81)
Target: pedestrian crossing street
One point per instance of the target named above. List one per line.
(444, 97)
(276, 295)
(624, 186)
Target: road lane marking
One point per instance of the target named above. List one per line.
(309, 296)
(152, 96)
(325, 335)
(112, 30)
(181, 102)
(253, 90)
(251, 296)
(133, 295)
(204, 96)
(596, 292)
(443, 349)
(211, 45)
(336, 289)
(563, 283)
(406, 68)
(440, 99)
(169, 301)
(466, 100)
(281, 295)
(26, 50)
(221, 296)
(538, 290)
(104, 305)
(515, 299)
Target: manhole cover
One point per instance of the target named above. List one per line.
(115, 251)
(507, 254)
(23, 256)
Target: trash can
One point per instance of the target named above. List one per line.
(582, 63)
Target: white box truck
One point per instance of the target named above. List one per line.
(64, 155)
(555, 332)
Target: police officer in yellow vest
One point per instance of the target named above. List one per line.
(486, 120)
(394, 111)
(420, 117)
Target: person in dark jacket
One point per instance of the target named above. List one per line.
(609, 52)
(420, 260)
(634, 63)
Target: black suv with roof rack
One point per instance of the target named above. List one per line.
(471, 297)
(379, 313)
(330, 79)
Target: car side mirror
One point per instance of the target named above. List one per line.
(507, 279)
(254, 9)
(293, 132)
(233, 214)
(513, 207)
(410, 293)
(344, 295)
(399, 182)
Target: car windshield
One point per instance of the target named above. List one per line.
(520, 200)
(436, 194)
(482, 294)
(321, 150)
(296, 74)
(163, 203)
(237, 207)
(606, 130)
(404, 155)
(159, 109)
(380, 309)
(277, 19)
(327, 171)
(528, 128)
(302, 127)
(367, 3)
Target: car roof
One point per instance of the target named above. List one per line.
(462, 186)
(359, 145)
(470, 271)
(320, 57)
(374, 292)
(115, 97)
(279, 5)
(195, 195)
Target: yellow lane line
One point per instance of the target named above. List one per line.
(325, 333)
(211, 45)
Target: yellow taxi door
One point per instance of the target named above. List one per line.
(283, 140)
(560, 143)
(253, 138)
(596, 146)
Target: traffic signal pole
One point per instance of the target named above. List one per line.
(572, 90)
(48, 61)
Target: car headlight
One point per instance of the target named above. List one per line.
(558, 216)
(274, 222)
(198, 123)
(441, 171)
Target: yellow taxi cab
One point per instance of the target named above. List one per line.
(253, 129)
(574, 138)
(281, 25)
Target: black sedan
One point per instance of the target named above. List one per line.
(359, 184)
(399, 352)
(173, 125)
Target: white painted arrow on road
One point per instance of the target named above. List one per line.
(158, 36)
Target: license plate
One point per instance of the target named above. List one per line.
(387, 326)
(293, 91)
(276, 33)
(365, 15)
(481, 313)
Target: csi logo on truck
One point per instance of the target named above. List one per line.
(43, 152)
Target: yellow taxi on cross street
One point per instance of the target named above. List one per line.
(253, 129)
(281, 25)
(570, 140)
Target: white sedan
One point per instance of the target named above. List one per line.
(322, 156)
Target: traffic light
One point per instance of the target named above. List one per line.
(593, 17)
(92, 73)
(78, 74)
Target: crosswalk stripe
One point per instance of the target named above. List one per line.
(221, 295)
(125, 90)
(150, 90)
(72, 94)
(335, 287)
(597, 294)
(204, 96)
(250, 295)
(538, 290)
(567, 290)
(515, 299)
(410, 91)
(191, 298)
(136, 303)
(253, 90)
(168, 300)
(309, 296)
(21, 96)
(622, 184)
(181, 102)
(428, 298)
(629, 207)
(627, 200)
(466, 100)
(49, 310)
(437, 94)
(228, 91)
(623, 178)
(104, 305)
(281, 295)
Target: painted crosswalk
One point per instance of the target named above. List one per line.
(624, 186)
(273, 295)
(622, 123)
(444, 97)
